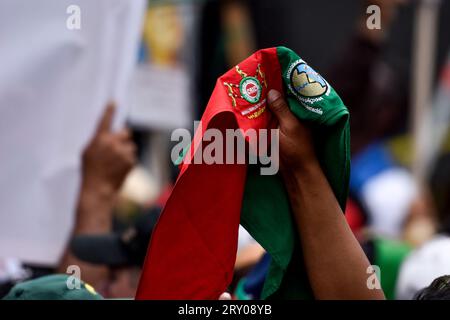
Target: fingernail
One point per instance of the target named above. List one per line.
(273, 95)
(225, 296)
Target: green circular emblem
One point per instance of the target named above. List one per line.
(250, 89)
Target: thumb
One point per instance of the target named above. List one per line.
(279, 107)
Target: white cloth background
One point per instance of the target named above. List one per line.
(54, 83)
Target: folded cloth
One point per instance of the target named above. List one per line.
(193, 248)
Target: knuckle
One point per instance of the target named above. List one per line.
(280, 106)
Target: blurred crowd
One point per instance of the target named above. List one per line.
(401, 222)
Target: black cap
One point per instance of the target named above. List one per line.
(127, 248)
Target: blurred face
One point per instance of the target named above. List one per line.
(163, 33)
(123, 283)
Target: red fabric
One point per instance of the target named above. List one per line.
(445, 77)
(354, 216)
(164, 196)
(193, 247)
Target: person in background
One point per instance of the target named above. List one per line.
(432, 259)
(52, 287)
(106, 161)
(439, 289)
(376, 95)
(122, 252)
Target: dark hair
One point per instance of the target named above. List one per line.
(439, 186)
(439, 289)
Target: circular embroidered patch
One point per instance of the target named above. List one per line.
(307, 82)
(250, 89)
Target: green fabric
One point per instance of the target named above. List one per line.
(389, 255)
(53, 287)
(239, 292)
(266, 211)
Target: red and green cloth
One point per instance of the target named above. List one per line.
(193, 247)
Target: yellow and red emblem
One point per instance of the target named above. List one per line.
(246, 96)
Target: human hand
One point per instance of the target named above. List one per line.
(109, 156)
(295, 143)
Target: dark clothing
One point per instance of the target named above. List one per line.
(374, 95)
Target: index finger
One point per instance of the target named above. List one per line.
(106, 119)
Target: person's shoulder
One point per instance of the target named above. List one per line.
(431, 251)
(436, 244)
(423, 265)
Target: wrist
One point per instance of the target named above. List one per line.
(98, 188)
(95, 204)
(94, 211)
(303, 174)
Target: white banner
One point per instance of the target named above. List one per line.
(61, 62)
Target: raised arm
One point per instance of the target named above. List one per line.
(106, 161)
(335, 262)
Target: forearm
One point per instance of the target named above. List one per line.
(93, 216)
(335, 262)
(106, 161)
(96, 202)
